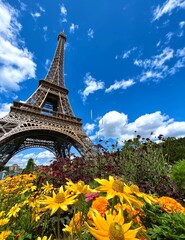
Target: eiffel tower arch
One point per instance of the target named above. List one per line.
(46, 119)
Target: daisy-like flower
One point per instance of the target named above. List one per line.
(4, 234)
(61, 200)
(14, 211)
(112, 227)
(4, 221)
(47, 187)
(148, 198)
(78, 188)
(115, 187)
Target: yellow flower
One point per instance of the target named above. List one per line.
(148, 198)
(77, 188)
(4, 221)
(75, 224)
(4, 234)
(47, 187)
(170, 205)
(14, 211)
(112, 227)
(44, 238)
(2, 213)
(60, 200)
(117, 188)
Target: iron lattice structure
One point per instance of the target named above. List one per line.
(46, 119)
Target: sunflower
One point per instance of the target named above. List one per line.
(60, 200)
(112, 227)
(148, 198)
(115, 187)
(78, 188)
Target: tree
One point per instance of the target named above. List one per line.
(30, 166)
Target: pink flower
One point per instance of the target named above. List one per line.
(90, 196)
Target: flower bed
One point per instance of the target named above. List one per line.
(105, 209)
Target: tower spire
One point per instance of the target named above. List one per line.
(56, 70)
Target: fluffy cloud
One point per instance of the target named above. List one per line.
(115, 125)
(124, 84)
(16, 62)
(112, 124)
(92, 85)
(89, 128)
(73, 27)
(167, 8)
(40, 158)
(4, 109)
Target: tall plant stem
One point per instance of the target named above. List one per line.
(58, 225)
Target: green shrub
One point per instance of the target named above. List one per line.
(178, 175)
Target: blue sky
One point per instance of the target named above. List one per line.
(124, 61)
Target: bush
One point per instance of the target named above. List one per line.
(178, 175)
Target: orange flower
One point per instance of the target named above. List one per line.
(100, 204)
(75, 224)
(170, 205)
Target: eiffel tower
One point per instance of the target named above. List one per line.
(46, 119)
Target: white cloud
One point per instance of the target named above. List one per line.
(92, 85)
(36, 14)
(182, 24)
(114, 125)
(16, 62)
(47, 64)
(167, 8)
(4, 109)
(169, 37)
(73, 27)
(124, 84)
(160, 66)
(126, 54)
(63, 12)
(89, 128)
(40, 158)
(45, 28)
(90, 33)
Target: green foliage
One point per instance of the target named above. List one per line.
(144, 161)
(162, 225)
(178, 175)
(174, 149)
(30, 166)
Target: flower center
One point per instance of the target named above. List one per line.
(60, 198)
(118, 186)
(116, 232)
